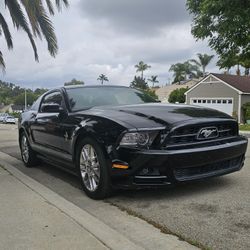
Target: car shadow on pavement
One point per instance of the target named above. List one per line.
(48, 174)
(177, 191)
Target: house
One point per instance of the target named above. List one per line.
(5, 109)
(164, 92)
(226, 93)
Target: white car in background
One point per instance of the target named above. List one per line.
(2, 116)
(9, 119)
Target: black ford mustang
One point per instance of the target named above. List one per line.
(120, 137)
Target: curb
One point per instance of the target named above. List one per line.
(97, 228)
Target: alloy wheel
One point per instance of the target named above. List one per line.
(89, 167)
(25, 149)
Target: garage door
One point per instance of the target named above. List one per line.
(222, 104)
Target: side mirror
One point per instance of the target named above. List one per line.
(52, 108)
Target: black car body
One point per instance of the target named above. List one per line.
(134, 141)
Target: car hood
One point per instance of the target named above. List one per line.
(158, 115)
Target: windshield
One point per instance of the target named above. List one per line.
(82, 98)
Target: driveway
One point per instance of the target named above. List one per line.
(214, 213)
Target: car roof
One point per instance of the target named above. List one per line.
(94, 86)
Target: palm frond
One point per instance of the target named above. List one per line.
(195, 62)
(2, 63)
(6, 32)
(47, 30)
(50, 7)
(30, 8)
(20, 21)
(60, 2)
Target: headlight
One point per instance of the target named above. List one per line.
(138, 138)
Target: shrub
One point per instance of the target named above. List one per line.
(246, 111)
(178, 95)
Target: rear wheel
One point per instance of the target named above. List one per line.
(93, 169)
(28, 155)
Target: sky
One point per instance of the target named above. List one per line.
(106, 37)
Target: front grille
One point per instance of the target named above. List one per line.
(188, 134)
(193, 173)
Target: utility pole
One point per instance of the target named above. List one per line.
(25, 99)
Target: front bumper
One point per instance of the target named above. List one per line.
(163, 167)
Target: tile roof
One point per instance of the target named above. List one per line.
(241, 83)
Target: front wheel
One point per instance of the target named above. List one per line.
(93, 169)
(28, 155)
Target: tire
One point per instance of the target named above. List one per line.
(28, 155)
(92, 168)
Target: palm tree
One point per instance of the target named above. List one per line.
(183, 71)
(153, 79)
(139, 83)
(179, 72)
(191, 70)
(141, 67)
(33, 18)
(203, 61)
(102, 78)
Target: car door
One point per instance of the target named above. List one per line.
(47, 129)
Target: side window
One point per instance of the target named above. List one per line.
(36, 104)
(52, 98)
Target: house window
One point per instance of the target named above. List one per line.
(195, 101)
(199, 101)
(230, 101)
(204, 101)
(208, 101)
(213, 101)
(219, 101)
(224, 101)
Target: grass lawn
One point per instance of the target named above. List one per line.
(244, 127)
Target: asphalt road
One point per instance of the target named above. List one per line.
(215, 212)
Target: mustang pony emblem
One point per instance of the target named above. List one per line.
(207, 133)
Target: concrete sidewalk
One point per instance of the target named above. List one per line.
(34, 217)
(28, 221)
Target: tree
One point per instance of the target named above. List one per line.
(20, 99)
(191, 70)
(178, 95)
(102, 78)
(74, 82)
(141, 67)
(139, 83)
(179, 72)
(183, 71)
(151, 93)
(153, 80)
(33, 18)
(246, 64)
(203, 61)
(39, 91)
(226, 62)
(226, 26)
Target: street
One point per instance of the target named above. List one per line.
(214, 213)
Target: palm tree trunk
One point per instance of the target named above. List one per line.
(142, 74)
(238, 70)
(204, 71)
